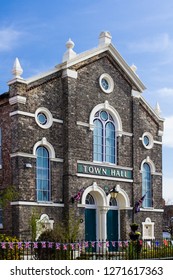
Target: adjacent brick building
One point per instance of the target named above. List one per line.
(77, 131)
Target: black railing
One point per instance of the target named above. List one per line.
(87, 250)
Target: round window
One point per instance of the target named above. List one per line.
(106, 83)
(147, 140)
(43, 117)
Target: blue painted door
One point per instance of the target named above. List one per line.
(90, 224)
(112, 228)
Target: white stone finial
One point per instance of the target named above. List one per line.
(104, 38)
(17, 69)
(134, 68)
(157, 109)
(69, 54)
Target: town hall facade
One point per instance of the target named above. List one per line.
(72, 135)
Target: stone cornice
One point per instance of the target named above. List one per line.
(17, 99)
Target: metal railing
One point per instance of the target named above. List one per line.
(87, 250)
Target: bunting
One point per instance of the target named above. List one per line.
(79, 245)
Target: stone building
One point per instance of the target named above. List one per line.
(77, 132)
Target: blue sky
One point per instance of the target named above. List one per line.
(36, 31)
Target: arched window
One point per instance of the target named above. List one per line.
(89, 199)
(104, 142)
(113, 202)
(146, 185)
(43, 174)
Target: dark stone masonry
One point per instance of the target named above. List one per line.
(64, 115)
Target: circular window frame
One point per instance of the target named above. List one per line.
(110, 82)
(150, 138)
(48, 115)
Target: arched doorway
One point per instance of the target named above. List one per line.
(102, 213)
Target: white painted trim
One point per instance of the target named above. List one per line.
(135, 93)
(82, 124)
(46, 144)
(17, 99)
(21, 154)
(151, 109)
(32, 203)
(160, 133)
(117, 57)
(69, 73)
(106, 106)
(157, 174)
(105, 164)
(104, 177)
(42, 75)
(57, 159)
(88, 54)
(151, 141)
(151, 164)
(157, 142)
(119, 132)
(20, 80)
(154, 173)
(151, 210)
(110, 82)
(31, 115)
(125, 208)
(154, 142)
(22, 113)
(48, 115)
(58, 121)
(126, 133)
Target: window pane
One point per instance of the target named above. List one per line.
(104, 141)
(146, 185)
(89, 199)
(43, 180)
(98, 140)
(110, 142)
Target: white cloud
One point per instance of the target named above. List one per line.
(157, 44)
(168, 132)
(168, 190)
(165, 92)
(9, 38)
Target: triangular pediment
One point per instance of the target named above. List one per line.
(111, 50)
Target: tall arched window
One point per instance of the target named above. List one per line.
(43, 174)
(146, 185)
(104, 142)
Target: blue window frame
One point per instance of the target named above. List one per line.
(146, 185)
(104, 142)
(43, 174)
